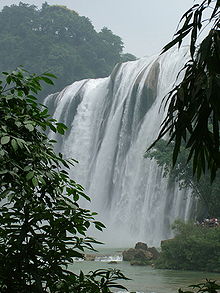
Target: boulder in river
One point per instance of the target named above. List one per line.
(141, 254)
(128, 255)
(154, 252)
(141, 245)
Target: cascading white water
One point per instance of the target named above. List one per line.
(111, 123)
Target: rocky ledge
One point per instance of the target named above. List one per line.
(141, 255)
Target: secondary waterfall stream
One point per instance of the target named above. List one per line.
(111, 122)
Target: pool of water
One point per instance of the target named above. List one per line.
(145, 279)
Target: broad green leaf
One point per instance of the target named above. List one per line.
(35, 181)
(29, 122)
(14, 144)
(50, 75)
(41, 179)
(30, 175)
(76, 197)
(18, 124)
(30, 127)
(20, 143)
(5, 140)
(53, 128)
(27, 168)
(47, 80)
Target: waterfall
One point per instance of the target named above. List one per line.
(111, 123)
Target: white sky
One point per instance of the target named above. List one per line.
(145, 26)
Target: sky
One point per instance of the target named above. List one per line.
(145, 26)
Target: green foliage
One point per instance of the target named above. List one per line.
(42, 227)
(193, 111)
(181, 172)
(58, 40)
(98, 281)
(127, 57)
(209, 287)
(194, 247)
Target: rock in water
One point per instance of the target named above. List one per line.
(128, 255)
(137, 256)
(154, 252)
(141, 245)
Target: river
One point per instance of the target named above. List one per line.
(145, 278)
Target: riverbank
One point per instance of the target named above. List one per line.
(194, 247)
(145, 279)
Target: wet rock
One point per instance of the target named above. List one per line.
(133, 254)
(141, 254)
(148, 255)
(89, 257)
(154, 252)
(141, 245)
(128, 255)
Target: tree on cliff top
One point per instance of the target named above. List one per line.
(56, 39)
(193, 113)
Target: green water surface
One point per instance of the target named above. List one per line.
(145, 278)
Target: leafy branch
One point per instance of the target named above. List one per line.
(193, 105)
(42, 226)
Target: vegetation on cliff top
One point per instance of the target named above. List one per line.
(58, 40)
